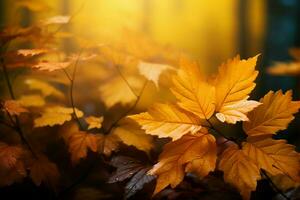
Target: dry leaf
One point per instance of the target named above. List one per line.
(31, 52)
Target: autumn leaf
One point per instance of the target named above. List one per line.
(108, 143)
(193, 93)
(128, 167)
(13, 107)
(274, 156)
(152, 71)
(117, 91)
(31, 100)
(12, 168)
(275, 113)
(51, 66)
(44, 171)
(9, 155)
(60, 19)
(167, 120)
(31, 52)
(45, 88)
(79, 143)
(56, 115)
(285, 69)
(131, 134)
(191, 153)
(94, 122)
(239, 170)
(234, 83)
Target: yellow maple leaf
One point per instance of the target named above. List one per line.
(43, 170)
(45, 88)
(56, 115)
(234, 83)
(152, 71)
(193, 93)
(131, 134)
(13, 107)
(191, 153)
(79, 143)
(31, 100)
(94, 122)
(274, 156)
(275, 113)
(239, 170)
(167, 120)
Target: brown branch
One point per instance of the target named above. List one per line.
(16, 121)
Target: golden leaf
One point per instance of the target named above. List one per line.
(94, 122)
(131, 134)
(13, 107)
(51, 66)
(285, 69)
(117, 91)
(191, 153)
(45, 88)
(56, 115)
(31, 100)
(239, 170)
(31, 52)
(167, 120)
(274, 156)
(193, 93)
(152, 71)
(79, 143)
(275, 113)
(234, 83)
(60, 19)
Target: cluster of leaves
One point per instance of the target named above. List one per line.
(39, 108)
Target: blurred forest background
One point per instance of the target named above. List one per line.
(210, 31)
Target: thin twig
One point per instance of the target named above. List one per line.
(273, 185)
(16, 122)
(138, 97)
(125, 80)
(72, 80)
